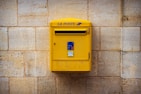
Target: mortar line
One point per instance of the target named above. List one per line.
(17, 13)
(47, 12)
(8, 84)
(121, 12)
(35, 39)
(87, 9)
(140, 38)
(100, 38)
(8, 39)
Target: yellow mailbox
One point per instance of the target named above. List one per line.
(70, 45)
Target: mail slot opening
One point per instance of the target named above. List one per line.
(70, 32)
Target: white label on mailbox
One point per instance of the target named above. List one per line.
(70, 53)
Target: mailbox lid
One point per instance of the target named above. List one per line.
(70, 22)
(81, 39)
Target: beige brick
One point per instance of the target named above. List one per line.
(32, 21)
(3, 38)
(105, 12)
(94, 67)
(98, 85)
(63, 85)
(36, 63)
(8, 13)
(132, 13)
(23, 85)
(32, 12)
(131, 86)
(131, 66)
(67, 9)
(131, 39)
(110, 38)
(30, 63)
(11, 63)
(46, 85)
(78, 85)
(21, 38)
(96, 38)
(109, 63)
(42, 38)
(4, 89)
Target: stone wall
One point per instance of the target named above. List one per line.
(24, 47)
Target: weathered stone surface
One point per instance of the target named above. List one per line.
(67, 8)
(21, 38)
(109, 63)
(131, 66)
(110, 38)
(4, 88)
(42, 38)
(11, 63)
(46, 85)
(131, 39)
(23, 85)
(131, 12)
(131, 86)
(32, 20)
(105, 12)
(3, 38)
(98, 85)
(96, 38)
(94, 69)
(78, 85)
(32, 12)
(30, 63)
(8, 13)
(63, 85)
(71, 85)
(36, 63)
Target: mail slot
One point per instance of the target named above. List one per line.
(70, 45)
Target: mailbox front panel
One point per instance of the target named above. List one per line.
(71, 45)
(70, 48)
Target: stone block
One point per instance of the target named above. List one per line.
(11, 63)
(131, 66)
(63, 85)
(8, 12)
(78, 85)
(131, 86)
(42, 38)
(3, 38)
(67, 9)
(32, 12)
(21, 38)
(4, 88)
(109, 63)
(100, 85)
(131, 12)
(36, 63)
(131, 39)
(105, 12)
(46, 85)
(23, 85)
(96, 38)
(110, 38)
